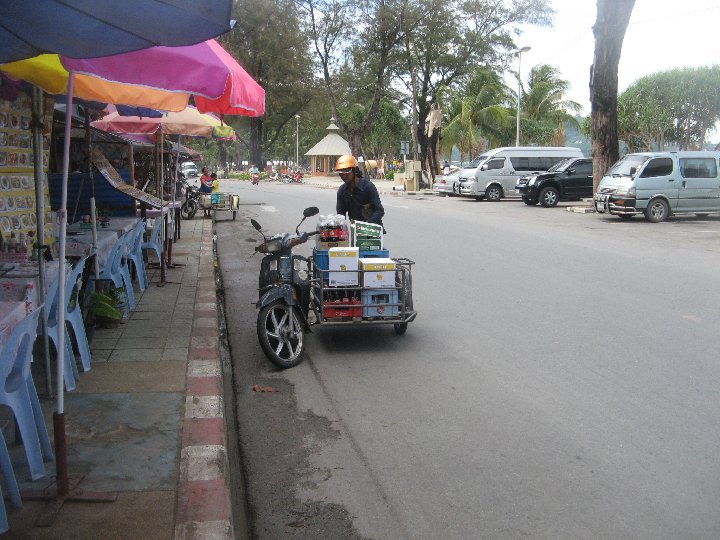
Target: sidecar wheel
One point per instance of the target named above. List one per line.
(283, 347)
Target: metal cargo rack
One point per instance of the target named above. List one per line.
(353, 310)
(220, 201)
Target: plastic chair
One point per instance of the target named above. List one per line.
(135, 254)
(8, 474)
(116, 270)
(70, 373)
(73, 312)
(17, 391)
(154, 240)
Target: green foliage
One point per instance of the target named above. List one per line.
(675, 107)
(104, 305)
(544, 111)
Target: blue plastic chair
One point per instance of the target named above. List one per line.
(116, 270)
(135, 254)
(70, 373)
(9, 480)
(17, 391)
(73, 312)
(153, 242)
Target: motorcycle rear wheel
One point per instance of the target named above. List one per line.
(188, 209)
(283, 347)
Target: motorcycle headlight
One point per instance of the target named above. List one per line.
(271, 246)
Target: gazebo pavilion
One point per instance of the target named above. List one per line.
(324, 153)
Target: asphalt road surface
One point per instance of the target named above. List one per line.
(561, 380)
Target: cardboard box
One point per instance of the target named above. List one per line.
(328, 245)
(376, 263)
(343, 265)
(377, 272)
(378, 279)
(369, 243)
(368, 230)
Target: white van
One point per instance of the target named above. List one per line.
(189, 169)
(493, 174)
(658, 184)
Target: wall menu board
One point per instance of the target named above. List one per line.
(17, 174)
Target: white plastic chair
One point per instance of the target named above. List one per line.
(17, 391)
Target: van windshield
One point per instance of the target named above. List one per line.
(624, 166)
(475, 163)
(561, 165)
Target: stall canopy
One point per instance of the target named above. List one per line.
(82, 29)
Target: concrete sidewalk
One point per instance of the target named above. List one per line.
(147, 422)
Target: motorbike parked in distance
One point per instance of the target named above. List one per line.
(284, 301)
(255, 179)
(191, 204)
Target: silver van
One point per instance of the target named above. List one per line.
(492, 175)
(659, 184)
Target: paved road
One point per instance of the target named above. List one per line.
(560, 381)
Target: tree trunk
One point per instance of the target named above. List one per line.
(612, 21)
(256, 136)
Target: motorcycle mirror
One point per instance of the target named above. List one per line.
(311, 211)
(256, 225)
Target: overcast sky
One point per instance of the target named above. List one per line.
(662, 34)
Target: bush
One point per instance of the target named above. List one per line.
(390, 175)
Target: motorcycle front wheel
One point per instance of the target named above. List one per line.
(283, 347)
(188, 209)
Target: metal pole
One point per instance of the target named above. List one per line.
(517, 130)
(297, 141)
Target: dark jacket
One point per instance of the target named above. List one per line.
(363, 204)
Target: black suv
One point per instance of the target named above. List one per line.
(569, 179)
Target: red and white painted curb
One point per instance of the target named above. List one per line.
(203, 509)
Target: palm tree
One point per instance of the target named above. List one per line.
(544, 110)
(479, 119)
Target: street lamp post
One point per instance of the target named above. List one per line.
(297, 141)
(517, 130)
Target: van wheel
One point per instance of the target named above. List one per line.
(493, 193)
(529, 201)
(657, 211)
(549, 197)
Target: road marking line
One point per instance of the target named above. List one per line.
(268, 208)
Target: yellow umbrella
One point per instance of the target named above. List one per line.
(47, 72)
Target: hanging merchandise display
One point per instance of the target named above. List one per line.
(18, 215)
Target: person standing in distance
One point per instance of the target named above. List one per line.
(357, 197)
(206, 186)
(446, 168)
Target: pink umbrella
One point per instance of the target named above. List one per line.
(206, 71)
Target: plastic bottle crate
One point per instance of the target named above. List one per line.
(375, 303)
(337, 305)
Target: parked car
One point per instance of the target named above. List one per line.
(447, 185)
(659, 184)
(567, 180)
(493, 175)
(189, 169)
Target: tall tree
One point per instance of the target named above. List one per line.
(545, 110)
(355, 42)
(611, 23)
(450, 39)
(269, 43)
(478, 115)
